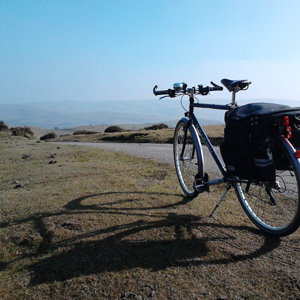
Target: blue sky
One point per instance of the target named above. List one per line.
(96, 50)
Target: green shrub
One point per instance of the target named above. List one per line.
(114, 129)
(84, 132)
(48, 136)
(3, 126)
(22, 131)
(157, 126)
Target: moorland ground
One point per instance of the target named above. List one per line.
(215, 132)
(78, 222)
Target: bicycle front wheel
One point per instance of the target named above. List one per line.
(275, 208)
(187, 157)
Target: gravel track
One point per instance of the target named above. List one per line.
(158, 152)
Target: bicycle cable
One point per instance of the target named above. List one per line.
(182, 104)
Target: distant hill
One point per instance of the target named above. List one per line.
(69, 114)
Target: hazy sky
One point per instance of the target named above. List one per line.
(53, 50)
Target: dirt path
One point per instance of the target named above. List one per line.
(159, 152)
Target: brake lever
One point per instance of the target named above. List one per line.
(163, 97)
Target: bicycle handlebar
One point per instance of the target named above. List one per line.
(169, 92)
(184, 90)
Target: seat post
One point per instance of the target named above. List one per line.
(233, 102)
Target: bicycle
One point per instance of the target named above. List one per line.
(272, 207)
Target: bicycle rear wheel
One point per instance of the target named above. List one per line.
(187, 157)
(275, 208)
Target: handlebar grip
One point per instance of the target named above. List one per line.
(163, 92)
(169, 92)
(211, 89)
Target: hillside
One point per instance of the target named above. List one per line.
(66, 114)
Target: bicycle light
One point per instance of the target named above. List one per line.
(285, 121)
(287, 130)
(297, 154)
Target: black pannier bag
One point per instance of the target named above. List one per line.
(247, 149)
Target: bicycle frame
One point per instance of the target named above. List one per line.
(195, 122)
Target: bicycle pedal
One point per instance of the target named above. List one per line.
(201, 188)
(200, 183)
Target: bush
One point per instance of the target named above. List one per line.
(3, 126)
(114, 129)
(48, 136)
(157, 126)
(22, 131)
(84, 132)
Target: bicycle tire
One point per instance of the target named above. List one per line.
(280, 215)
(189, 163)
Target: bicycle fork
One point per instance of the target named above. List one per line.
(186, 128)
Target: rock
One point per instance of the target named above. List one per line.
(19, 186)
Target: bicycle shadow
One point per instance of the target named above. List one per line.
(116, 248)
(120, 250)
(77, 208)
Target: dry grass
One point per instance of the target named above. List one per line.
(94, 224)
(215, 132)
(140, 136)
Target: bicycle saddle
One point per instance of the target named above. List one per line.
(235, 85)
